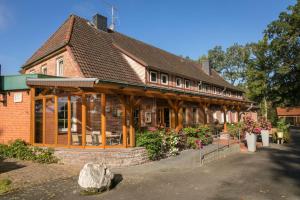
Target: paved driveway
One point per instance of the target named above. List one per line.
(270, 173)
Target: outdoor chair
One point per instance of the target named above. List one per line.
(75, 139)
(89, 139)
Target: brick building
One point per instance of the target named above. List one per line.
(100, 86)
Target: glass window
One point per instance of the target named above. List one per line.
(50, 121)
(76, 120)
(63, 114)
(153, 76)
(187, 84)
(114, 124)
(60, 67)
(164, 79)
(93, 120)
(44, 69)
(38, 121)
(178, 82)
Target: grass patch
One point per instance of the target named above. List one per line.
(5, 186)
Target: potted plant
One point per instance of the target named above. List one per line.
(251, 129)
(282, 128)
(265, 131)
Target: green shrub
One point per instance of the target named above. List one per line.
(44, 155)
(20, 150)
(152, 141)
(171, 142)
(235, 129)
(191, 142)
(202, 132)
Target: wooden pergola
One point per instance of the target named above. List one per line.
(130, 97)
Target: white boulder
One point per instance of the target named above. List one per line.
(94, 176)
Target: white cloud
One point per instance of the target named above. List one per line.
(5, 16)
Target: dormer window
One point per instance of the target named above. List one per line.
(153, 76)
(187, 84)
(164, 79)
(178, 82)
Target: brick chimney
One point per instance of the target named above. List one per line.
(100, 22)
(205, 66)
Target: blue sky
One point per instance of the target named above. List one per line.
(183, 27)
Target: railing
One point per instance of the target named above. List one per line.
(218, 146)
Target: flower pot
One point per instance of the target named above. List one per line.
(251, 142)
(265, 137)
(280, 135)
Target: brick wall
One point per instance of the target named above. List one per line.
(15, 118)
(70, 67)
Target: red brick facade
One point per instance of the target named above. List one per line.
(71, 68)
(15, 117)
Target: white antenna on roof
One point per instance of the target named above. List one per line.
(113, 18)
(112, 26)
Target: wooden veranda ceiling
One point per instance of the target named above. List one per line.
(115, 89)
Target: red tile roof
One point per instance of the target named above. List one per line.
(288, 111)
(99, 54)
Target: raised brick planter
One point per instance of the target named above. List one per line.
(112, 157)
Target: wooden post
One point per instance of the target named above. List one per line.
(205, 112)
(69, 120)
(44, 120)
(225, 121)
(180, 120)
(238, 114)
(55, 119)
(103, 118)
(124, 125)
(131, 130)
(32, 116)
(173, 119)
(83, 110)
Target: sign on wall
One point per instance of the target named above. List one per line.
(18, 97)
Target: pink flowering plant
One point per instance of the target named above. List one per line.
(250, 126)
(265, 124)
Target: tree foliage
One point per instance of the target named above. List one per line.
(230, 63)
(284, 44)
(268, 70)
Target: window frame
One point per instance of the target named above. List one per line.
(185, 85)
(178, 78)
(43, 68)
(150, 76)
(161, 79)
(59, 72)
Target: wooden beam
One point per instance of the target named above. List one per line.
(83, 120)
(131, 130)
(180, 120)
(225, 120)
(32, 115)
(44, 120)
(124, 127)
(69, 120)
(103, 118)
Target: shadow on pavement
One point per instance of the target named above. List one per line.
(118, 178)
(287, 160)
(6, 166)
